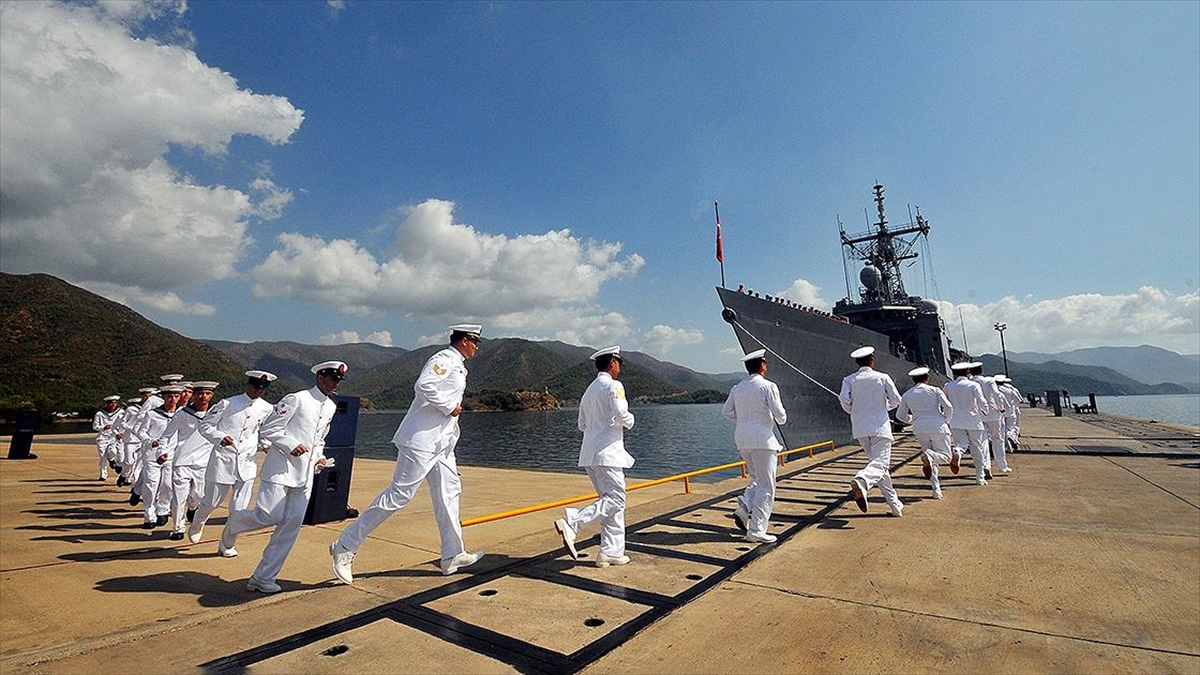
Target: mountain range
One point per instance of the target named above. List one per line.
(1152, 365)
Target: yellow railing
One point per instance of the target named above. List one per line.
(685, 477)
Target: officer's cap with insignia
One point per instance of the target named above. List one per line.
(862, 352)
(204, 385)
(961, 366)
(260, 377)
(114, 397)
(331, 368)
(614, 350)
(467, 330)
(756, 354)
(918, 372)
(174, 377)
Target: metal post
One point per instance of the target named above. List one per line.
(1001, 327)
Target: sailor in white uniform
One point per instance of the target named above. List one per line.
(157, 452)
(966, 424)
(102, 423)
(993, 421)
(295, 431)
(131, 455)
(930, 413)
(868, 395)
(133, 409)
(232, 427)
(139, 460)
(1012, 414)
(603, 417)
(425, 443)
(755, 405)
(192, 451)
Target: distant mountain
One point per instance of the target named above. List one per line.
(64, 349)
(1151, 365)
(291, 361)
(1080, 380)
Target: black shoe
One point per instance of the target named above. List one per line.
(148, 525)
(176, 536)
(102, 478)
(118, 468)
(162, 520)
(120, 481)
(191, 515)
(134, 499)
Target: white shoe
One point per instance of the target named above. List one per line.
(262, 586)
(1007, 469)
(896, 513)
(741, 518)
(568, 536)
(760, 537)
(937, 495)
(606, 560)
(225, 547)
(194, 533)
(981, 481)
(342, 558)
(451, 565)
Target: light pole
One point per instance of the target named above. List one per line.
(1000, 328)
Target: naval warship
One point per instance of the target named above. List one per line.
(808, 349)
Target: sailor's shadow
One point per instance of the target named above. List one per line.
(159, 549)
(210, 590)
(661, 538)
(79, 513)
(489, 563)
(834, 524)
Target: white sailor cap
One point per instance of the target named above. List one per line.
(186, 385)
(147, 390)
(261, 375)
(171, 389)
(756, 354)
(861, 352)
(615, 350)
(114, 397)
(174, 377)
(961, 365)
(977, 364)
(471, 329)
(204, 384)
(330, 368)
(134, 399)
(918, 372)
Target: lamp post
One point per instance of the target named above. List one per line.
(1000, 328)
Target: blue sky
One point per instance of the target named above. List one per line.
(374, 171)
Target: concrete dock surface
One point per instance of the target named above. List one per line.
(1085, 559)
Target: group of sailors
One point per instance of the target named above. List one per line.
(183, 455)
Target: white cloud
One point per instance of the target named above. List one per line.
(87, 117)
(660, 340)
(1149, 316)
(382, 338)
(441, 270)
(806, 293)
(273, 199)
(163, 301)
(336, 6)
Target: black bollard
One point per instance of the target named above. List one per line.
(331, 488)
(1053, 401)
(22, 438)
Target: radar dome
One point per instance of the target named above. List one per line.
(870, 277)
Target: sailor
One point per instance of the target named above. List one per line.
(192, 451)
(295, 433)
(102, 424)
(966, 424)
(425, 442)
(154, 400)
(868, 395)
(930, 413)
(755, 405)
(1012, 413)
(993, 420)
(157, 452)
(232, 427)
(603, 417)
(133, 409)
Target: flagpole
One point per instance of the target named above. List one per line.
(720, 252)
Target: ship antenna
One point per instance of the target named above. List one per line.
(845, 257)
(963, 326)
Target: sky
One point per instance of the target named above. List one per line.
(343, 171)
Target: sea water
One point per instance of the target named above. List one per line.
(1178, 408)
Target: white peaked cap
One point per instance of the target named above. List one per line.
(1000, 378)
(114, 397)
(615, 350)
(174, 377)
(917, 372)
(977, 364)
(469, 328)
(961, 365)
(330, 365)
(861, 352)
(756, 354)
(261, 375)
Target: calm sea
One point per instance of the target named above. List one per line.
(1178, 408)
(665, 440)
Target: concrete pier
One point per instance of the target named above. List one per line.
(1082, 560)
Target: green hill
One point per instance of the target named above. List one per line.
(64, 349)
(292, 361)
(1079, 380)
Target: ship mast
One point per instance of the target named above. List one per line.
(883, 250)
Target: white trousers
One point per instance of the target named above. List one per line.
(609, 509)
(995, 433)
(187, 484)
(412, 468)
(973, 440)
(1011, 428)
(758, 499)
(937, 450)
(877, 472)
(103, 451)
(156, 489)
(276, 505)
(214, 496)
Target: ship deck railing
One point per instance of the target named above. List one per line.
(685, 477)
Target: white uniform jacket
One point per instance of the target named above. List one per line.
(603, 417)
(191, 447)
(868, 395)
(927, 408)
(238, 417)
(754, 404)
(428, 424)
(995, 400)
(1014, 398)
(970, 406)
(151, 429)
(300, 418)
(106, 436)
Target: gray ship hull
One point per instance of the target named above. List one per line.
(818, 346)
